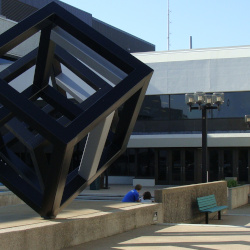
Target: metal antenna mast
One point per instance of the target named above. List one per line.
(168, 24)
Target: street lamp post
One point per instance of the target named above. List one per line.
(204, 102)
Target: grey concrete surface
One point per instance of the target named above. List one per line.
(180, 203)
(173, 237)
(230, 233)
(22, 215)
(82, 221)
(238, 196)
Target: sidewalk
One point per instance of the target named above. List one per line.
(175, 237)
(230, 233)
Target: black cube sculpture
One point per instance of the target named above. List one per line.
(56, 113)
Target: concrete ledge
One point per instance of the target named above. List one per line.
(75, 225)
(180, 204)
(238, 196)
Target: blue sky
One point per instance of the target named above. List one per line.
(211, 23)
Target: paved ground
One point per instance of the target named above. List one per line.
(232, 232)
(175, 237)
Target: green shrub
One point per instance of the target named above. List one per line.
(232, 183)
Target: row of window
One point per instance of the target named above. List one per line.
(182, 165)
(173, 107)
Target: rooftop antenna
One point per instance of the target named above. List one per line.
(190, 42)
(168, 24)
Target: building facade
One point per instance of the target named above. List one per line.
(166, 145)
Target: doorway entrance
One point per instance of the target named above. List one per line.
(176, 166)
(182, 166)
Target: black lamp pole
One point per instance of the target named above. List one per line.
(205, 173)
(204, 145)
(204, 102)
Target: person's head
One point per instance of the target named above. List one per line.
(147, 196)
(138, 187)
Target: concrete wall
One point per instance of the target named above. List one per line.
(180, 204)
(62, 233)
(238, 196)
(8, 198)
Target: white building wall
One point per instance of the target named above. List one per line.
(207, 70)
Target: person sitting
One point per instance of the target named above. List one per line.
(133, 195)
(147, 197)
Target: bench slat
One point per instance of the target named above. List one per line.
(206, 202)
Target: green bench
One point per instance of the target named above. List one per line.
(207, 204)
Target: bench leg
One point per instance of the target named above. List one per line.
(206, 218)
(219, 215)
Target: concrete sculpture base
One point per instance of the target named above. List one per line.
(81, 221)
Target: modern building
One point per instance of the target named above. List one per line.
(166, 145)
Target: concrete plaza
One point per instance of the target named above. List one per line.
(230, 233)
(18, 221)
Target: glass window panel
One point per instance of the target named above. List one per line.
(236, 104)
(213, 173)
(176, 165)
(228, 163)
(180, 110)
(157, 110)
(189, 165)
(120, 166)
(243, 165)
(162, 165)
(125, 165)
(132, 163)
(155, 107)
(145, 162)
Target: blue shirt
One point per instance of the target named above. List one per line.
(131, 196)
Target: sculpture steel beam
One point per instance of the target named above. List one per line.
(86, 93)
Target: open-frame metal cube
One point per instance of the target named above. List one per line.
(100, 108)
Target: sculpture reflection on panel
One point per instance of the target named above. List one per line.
(85, 96)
